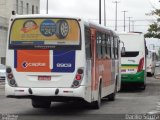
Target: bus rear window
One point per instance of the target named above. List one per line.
(44, 33)
(131, 54)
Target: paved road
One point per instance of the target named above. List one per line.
(130, 101)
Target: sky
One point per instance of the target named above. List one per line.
(89, 10)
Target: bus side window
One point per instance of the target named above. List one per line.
(118, 47)
(88, 43)
(108, 46)
(99, 45)
(112, 47)
(114, 42)
(115, 47)
(104, 46)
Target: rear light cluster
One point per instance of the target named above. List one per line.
(10, 77)
(141, 64)
(78, 78)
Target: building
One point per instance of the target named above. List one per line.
(20, 6)
(3, 39)
(6, 8)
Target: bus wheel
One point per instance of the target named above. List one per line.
(97, 104)
(37, 103)
(112, 96)
(149, 74)
(143, 87)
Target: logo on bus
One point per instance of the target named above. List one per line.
(48, 28)
(29, 25)
(27, 64)
(64, 65)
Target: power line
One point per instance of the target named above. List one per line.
(126, 20)
(127, 26)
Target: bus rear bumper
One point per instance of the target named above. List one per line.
(139, 77)
(55, 94)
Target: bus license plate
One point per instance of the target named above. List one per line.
(44, 77)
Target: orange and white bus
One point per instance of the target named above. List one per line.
(60, 59)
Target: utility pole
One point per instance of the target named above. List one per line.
(116, 2)
(129, 25)
(47, 7)
(99, 11)
(104, 12)
(133, 25)
(124, 19)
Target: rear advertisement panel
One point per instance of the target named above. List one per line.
(44, 33)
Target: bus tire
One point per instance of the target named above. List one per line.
(112, 96)
(149, 74)
(143, 86)
(97, 104)
(37, 103)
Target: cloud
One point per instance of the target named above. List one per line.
(89, 9)
(79, 8)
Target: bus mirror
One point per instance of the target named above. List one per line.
(146, 51)
(123, 51)
(123, 48)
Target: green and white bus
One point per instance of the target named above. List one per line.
(133, 62)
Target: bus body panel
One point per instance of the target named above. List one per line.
(61, 78)
(29, 78)
(130, 62)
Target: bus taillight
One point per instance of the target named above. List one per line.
(140, 66)
(10, 77)
(8, 70)
(80, 71)
(78, 78)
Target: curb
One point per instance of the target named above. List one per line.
(157, 77)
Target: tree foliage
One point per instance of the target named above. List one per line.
(154, 30)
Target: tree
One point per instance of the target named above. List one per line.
(154, 28)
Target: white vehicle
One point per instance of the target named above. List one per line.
(60, 59)
(2, 72)
(157, 63)
(133, 62)
(151, 62)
